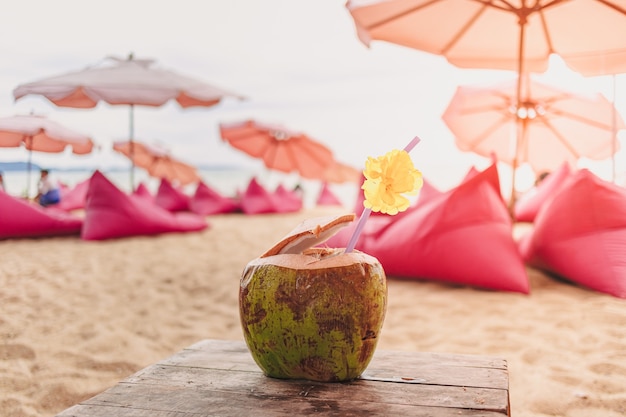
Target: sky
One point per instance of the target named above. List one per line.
(299, 64)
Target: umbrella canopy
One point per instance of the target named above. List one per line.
(557, 126)
(38, 133)
(501, 34)
(338, 172)
(517, 35)
(127, 82)
(158, 162)
(279, 148)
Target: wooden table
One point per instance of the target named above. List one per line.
(219, 378)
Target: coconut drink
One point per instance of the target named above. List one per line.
(316, 313)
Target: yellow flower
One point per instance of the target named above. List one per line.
(387, 179)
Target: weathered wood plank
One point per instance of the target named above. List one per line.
(219, 378)
(426, 368)
(245, 382)
(180, 401)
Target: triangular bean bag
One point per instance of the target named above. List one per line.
(490, 175)
(580, 235)
(286, 201)
(528, 205)
(206, 201)
(379, 221)
(74, 198)
(463, 236)
(257, 200)
(171, 198)
(142, 191)
(19, 218)
(428, 192)
(111, 213)
(326, 197)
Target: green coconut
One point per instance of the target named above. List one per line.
(316, 314)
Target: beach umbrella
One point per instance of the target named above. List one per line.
(128, 82)
(601, 64)
(518, 35)
(556, 125)
(38, 133)
(339, 172)
(279, 148)
(157, 162)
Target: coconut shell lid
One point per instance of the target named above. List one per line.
(310, 233)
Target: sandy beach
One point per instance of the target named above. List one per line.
(77, 317)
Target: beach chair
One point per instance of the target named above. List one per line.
(73, 198)
(20, 218)
(171, 198)
(142, 191)
(326, 197)
(111, 213)
(463, 236)
(286, 201)
(529, 204)
(257, 200)
(206, 201)
(580, 235)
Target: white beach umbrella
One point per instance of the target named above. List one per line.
(127, 82)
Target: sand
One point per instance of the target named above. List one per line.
(77, 317)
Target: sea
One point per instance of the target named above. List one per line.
(228, 181)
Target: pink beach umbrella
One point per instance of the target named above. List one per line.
(556, 125)
(516, 35)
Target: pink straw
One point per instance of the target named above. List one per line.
(366, 212)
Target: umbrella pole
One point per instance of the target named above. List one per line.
(131, 126)
(29, 167)
(519, 133)
(520, 72)
(613, 130)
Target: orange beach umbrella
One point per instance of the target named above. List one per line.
(279, 148)
(158, 162)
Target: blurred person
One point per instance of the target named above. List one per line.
(541, 177)
(48, 193)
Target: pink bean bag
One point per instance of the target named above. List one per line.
(171, 198)
(428, 192)
(527, 207)
(286, 201)
(206, 201)
(326, 197)
(257, 200)
(73, 198)
(490, 175)
(143, 192)
(110, 213)
(580, 235)
(19, 218)
(463, 236)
